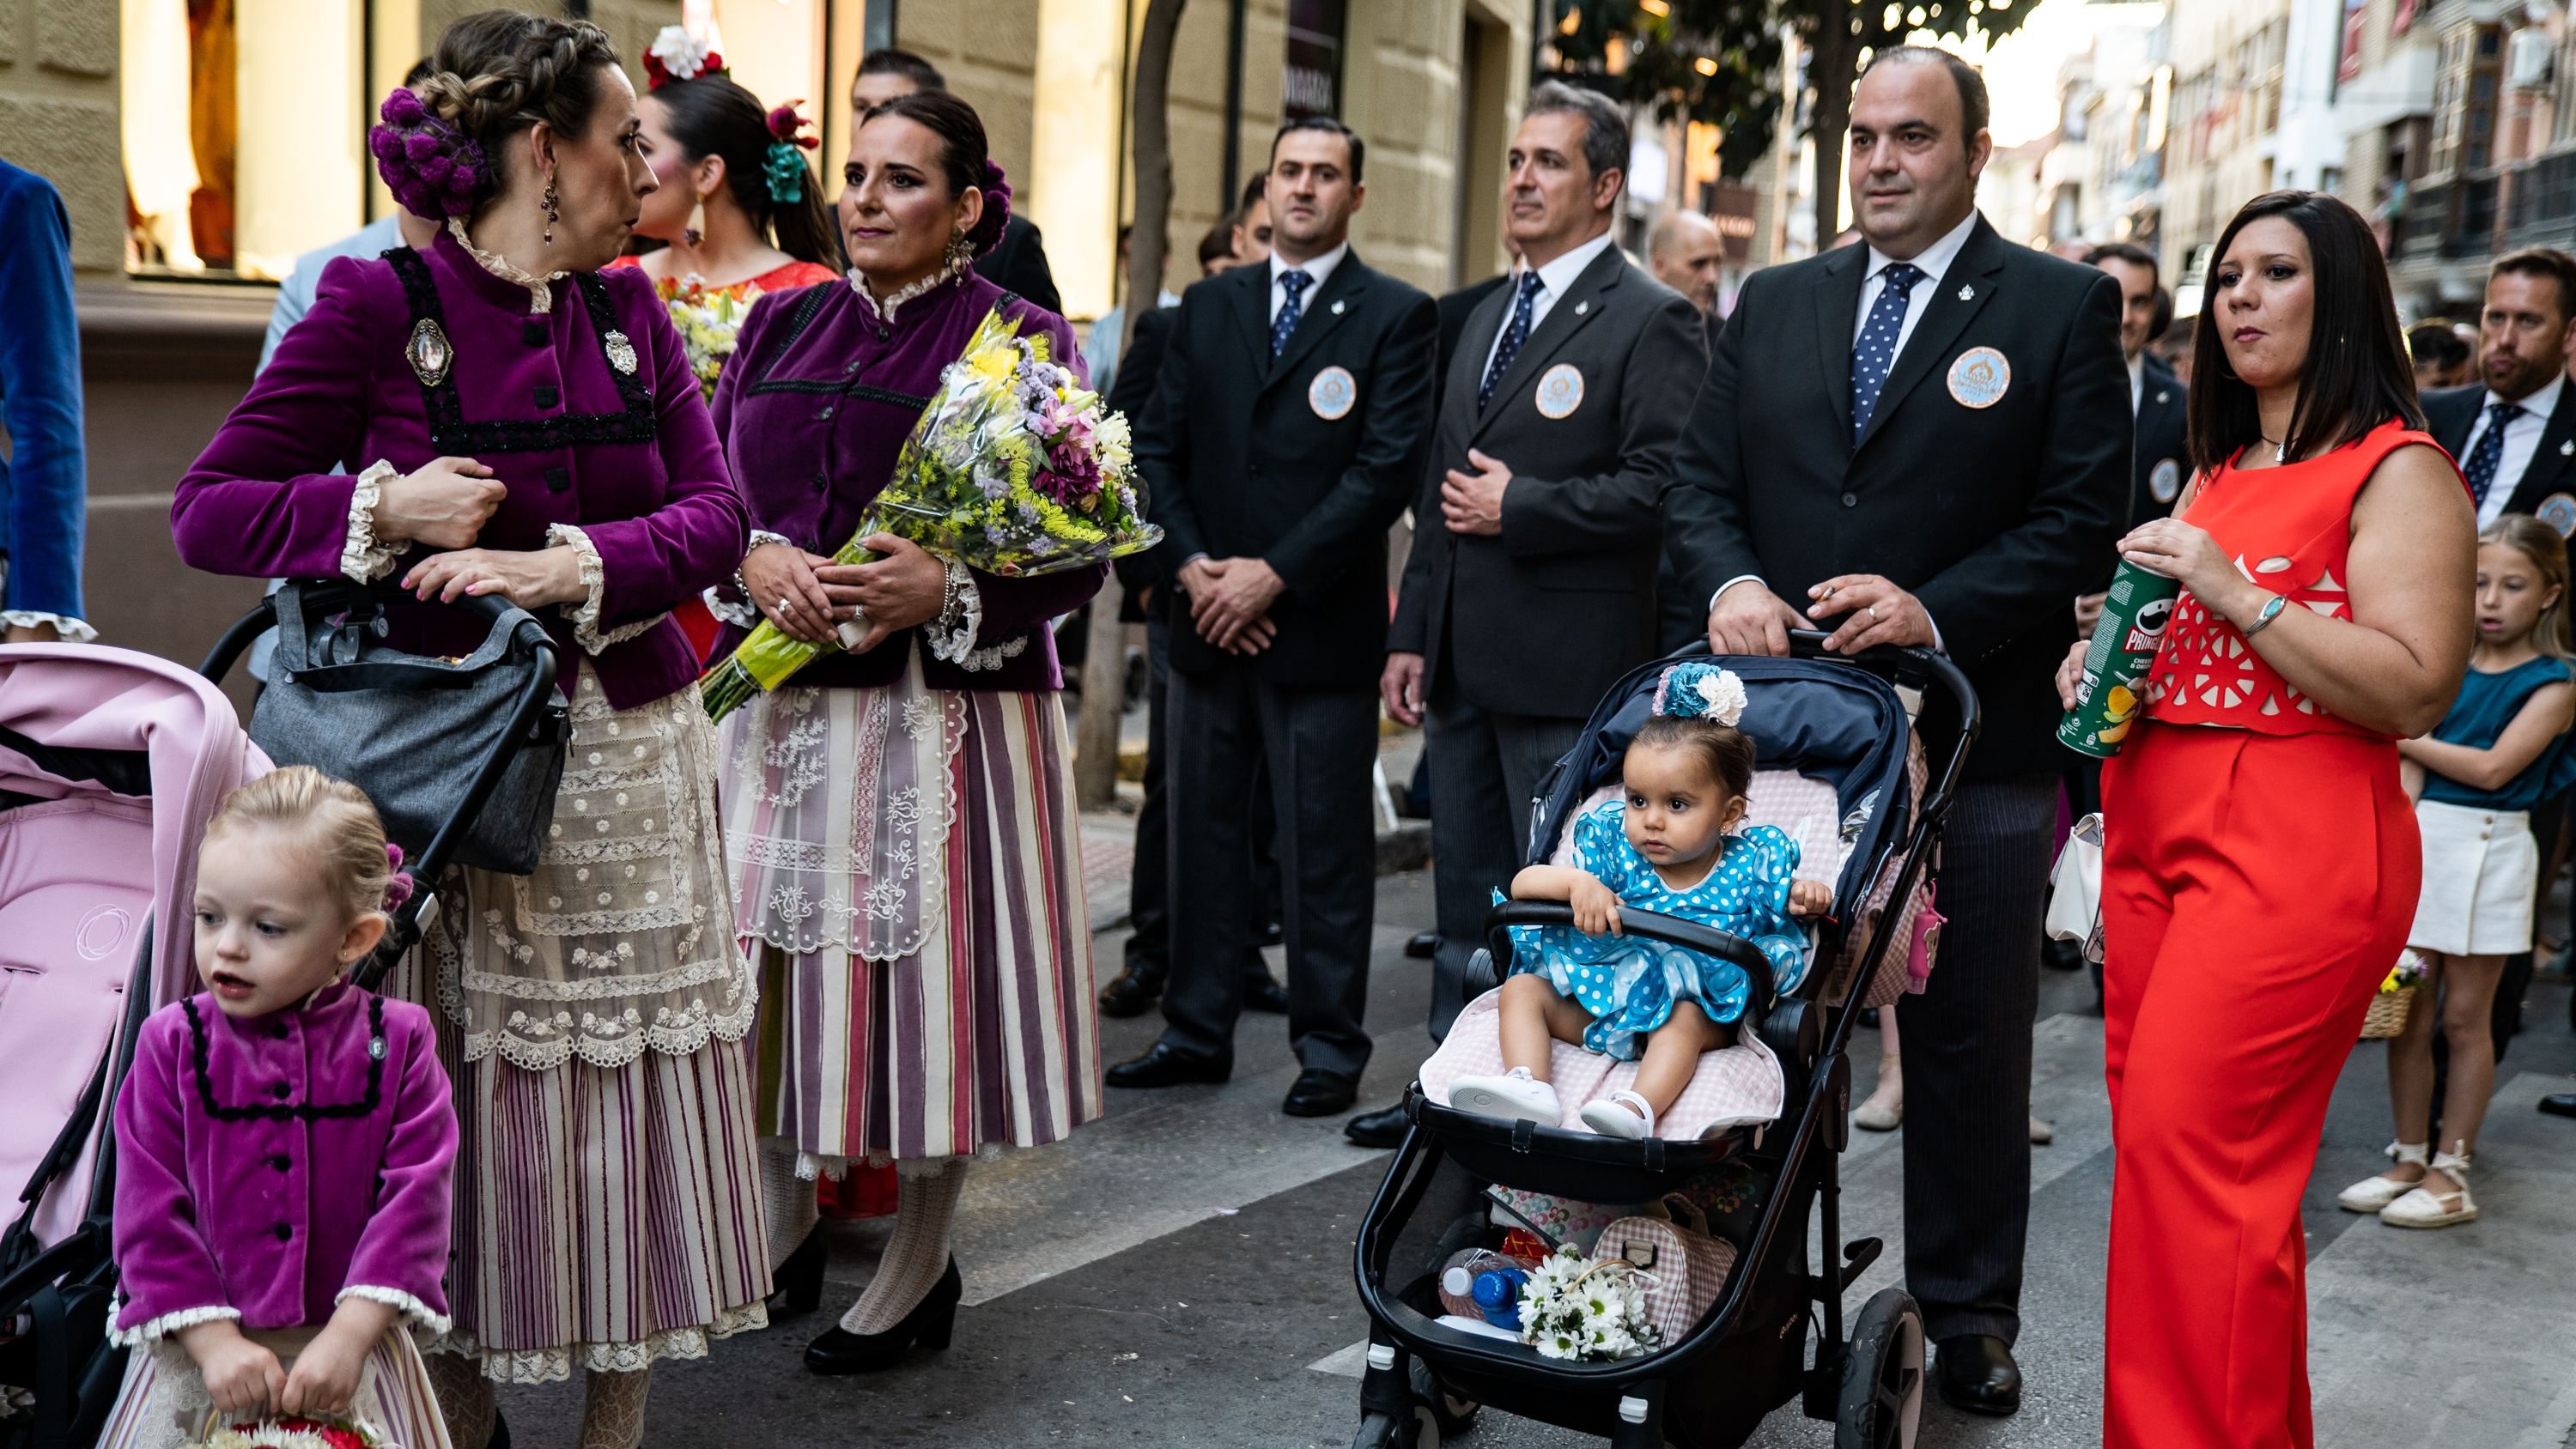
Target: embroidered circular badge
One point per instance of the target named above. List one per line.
(1560, 391)
(1979, 377)
(2558, 510)
(2165, 480)
(1332, 393)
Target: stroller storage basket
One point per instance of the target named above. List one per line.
(1679, 1394)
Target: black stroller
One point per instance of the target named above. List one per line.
(57, 1275)
(1710, 1387)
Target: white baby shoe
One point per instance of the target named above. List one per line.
(1515, 1096)
(1611, 1118)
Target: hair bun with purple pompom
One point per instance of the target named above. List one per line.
(433, 170)
(997, 211)
(398, 887)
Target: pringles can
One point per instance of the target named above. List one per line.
(2114, 687)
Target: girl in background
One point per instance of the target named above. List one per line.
(2501, 750)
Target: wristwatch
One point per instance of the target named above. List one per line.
(2271, 611)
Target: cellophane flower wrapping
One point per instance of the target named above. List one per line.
(1013, 470)
(708, 321)
(1580, 1308)
(294, 1431)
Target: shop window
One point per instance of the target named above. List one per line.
(1313, 82)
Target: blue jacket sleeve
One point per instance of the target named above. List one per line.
(45, 483)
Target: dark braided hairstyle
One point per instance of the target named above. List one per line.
(709, 115)
(964, 157)
(498, 72)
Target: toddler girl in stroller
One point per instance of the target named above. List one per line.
(1670, 846)
(287, 1139)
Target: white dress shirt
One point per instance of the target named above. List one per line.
(1553, 279)
(1319, 268)
(2137, 382)
(2521, 440)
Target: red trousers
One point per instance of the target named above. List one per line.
(2255, 890)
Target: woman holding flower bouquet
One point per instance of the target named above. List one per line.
(899, 816)
(517, 421)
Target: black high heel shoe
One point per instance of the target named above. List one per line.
(797, 1284)
(839, 1351)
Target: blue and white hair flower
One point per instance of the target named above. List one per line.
(1700, 688)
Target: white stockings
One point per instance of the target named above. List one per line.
(925, 1206)
(612, 1409)
(788, 1198)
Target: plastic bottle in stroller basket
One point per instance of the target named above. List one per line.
(2114, 689)
(1458, 1278)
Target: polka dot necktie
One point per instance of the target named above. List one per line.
(1875, 352)
(1296, 284)
(2488, 455)
(1515, 332)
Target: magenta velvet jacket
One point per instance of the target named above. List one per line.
(269, 1167)
(628, 457)
(814, 408)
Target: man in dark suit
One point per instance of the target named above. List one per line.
(1531, 585)
(2161, 457)
(1921, 441)
(1287, 431)
(1018, 262)
(2514, 432)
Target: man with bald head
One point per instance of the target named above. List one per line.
(1924, 441)
(1687, 254)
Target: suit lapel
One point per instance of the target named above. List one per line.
(2551, 461)
(1475, 343)
(1319, 319)
(1972, 272)
(1837, 315)
(1566, 316)
(1251, 308)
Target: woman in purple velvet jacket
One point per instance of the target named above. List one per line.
(515, 420)
(899, 819)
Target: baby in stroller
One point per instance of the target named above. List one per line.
(1670, 845)
(287, 1138)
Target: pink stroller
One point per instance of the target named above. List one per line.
(111, 762)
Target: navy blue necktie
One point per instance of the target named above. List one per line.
(1875, 352)
(1515, 332)
(1289, 311)
(2488, 455)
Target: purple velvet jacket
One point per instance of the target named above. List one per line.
(242, 1193)
(814, 408)
(628, 457)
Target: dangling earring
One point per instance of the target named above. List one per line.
(549, 205)
(696, 231)
(961, 252)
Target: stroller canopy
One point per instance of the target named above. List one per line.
(1827, 720)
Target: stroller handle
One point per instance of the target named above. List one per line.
(1650, 925)
(1916, 667)
(491, 609)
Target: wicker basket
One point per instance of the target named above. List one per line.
(2387, 1015)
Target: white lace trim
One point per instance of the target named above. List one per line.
(983, 659)
(169, 1323)
(551, 1365)
(69, 630)
(594, 583)
(885, 309)
(951, 636)
(363, 556)
(411, 1308)
(541, 292)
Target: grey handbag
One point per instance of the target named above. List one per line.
(412, 730)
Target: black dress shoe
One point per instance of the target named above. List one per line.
(2560, 1104)
(840, 1351)
(1382, 1128)
(500, 1437)
(1976, 1372)
(1423, 945)
(1264, 993)
(1132, 994)
(797, 1286)
(1320, 1093)
(1164, 1065)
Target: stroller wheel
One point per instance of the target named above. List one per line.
(1451, 1416)
(1415, 1431)
(1882, 1397)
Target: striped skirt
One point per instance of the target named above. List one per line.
(163, 1391)
(911, 863)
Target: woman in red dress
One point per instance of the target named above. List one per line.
(2260, 867)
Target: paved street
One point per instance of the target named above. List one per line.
(1180, 1273)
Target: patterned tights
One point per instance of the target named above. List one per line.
(926, 1205)
(612, 1408)
(789, 1198)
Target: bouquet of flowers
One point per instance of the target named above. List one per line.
(1586, 1308)
(296, 1431)
(1013, 470)
(707, 320)
(2407, 974)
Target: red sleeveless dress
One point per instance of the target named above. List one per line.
(2260, 873)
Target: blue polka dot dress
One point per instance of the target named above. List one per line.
(1630, 984)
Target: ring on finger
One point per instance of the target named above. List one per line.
(1873, 613)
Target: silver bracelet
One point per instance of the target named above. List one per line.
(2263, 620)
(758, 538)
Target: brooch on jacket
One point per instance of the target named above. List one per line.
(305, 1111)
(428, 353)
